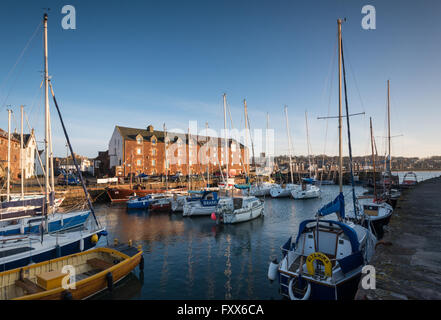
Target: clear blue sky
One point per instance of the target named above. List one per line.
(135, 63)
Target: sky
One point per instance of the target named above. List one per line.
(136, 63)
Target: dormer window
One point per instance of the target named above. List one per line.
(153, 140)
(139, 139)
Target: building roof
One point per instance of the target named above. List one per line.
(4, 134)
(26, 138)
(131, 134)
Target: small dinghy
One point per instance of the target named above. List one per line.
(77, 276)
(238, 209)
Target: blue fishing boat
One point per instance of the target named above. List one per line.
(141, 202)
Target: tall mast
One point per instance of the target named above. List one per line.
(340, 169)
(21, 155)
(9, 156)
(46, 103)
(208, 160)
(307, 143)
(166, 162)
(388, 124)
(246, 135)
(188, 162)
(289, 143)
(373, 159)
(225, 134)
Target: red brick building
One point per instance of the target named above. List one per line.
(135, 151)
(15, 155)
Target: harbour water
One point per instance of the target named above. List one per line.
(193, 258)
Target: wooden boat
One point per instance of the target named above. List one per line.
(95, 270)
(122, 195)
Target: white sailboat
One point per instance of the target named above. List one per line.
(306, 190)
(279, 191)
(325, 259)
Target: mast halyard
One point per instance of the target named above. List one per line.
(166, 161)
(373, 159)
(340, 153)
(307, 143)
(246, 136)
(226, 140)
(46, 111)
(388, 125)
(8, 183)
(21, 155)
(289, 144)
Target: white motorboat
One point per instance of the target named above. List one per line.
(306, 191)
(239, 209)
(282, 192)
(206, 205)
(262, 189)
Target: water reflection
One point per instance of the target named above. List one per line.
(193, 258)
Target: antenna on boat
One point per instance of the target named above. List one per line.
(226, 141)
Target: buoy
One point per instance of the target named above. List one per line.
(109, 279)
(213, 216)
(58, 250)
(291, 293)
(94, 238)
(141, 263)
(81, 244)
(272, 270)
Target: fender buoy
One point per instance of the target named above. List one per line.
(272, 270)
(109, 279)
(81, 244)
(291, 293)
(321, 257)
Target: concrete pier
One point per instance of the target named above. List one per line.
(408, 259)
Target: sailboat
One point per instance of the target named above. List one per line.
(306, 190)
(263, 188)
(325, 259)
(373, 209)
(18, 251)
(23, 213)
(279, 191)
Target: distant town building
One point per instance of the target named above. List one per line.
(101, 164)
(134, 151)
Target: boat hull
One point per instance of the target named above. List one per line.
(59, 223)
(123, 195)
(231, 218)
(87, 287)
(345, 290)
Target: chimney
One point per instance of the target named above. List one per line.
(150, 128)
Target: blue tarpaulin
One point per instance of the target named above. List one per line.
(338, 205)
(141, 175)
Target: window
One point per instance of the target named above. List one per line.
(153, 141)
(139, 140)
(138, 151)
(154, 152)
(153, 162)
(138, 162)
(233, 147)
